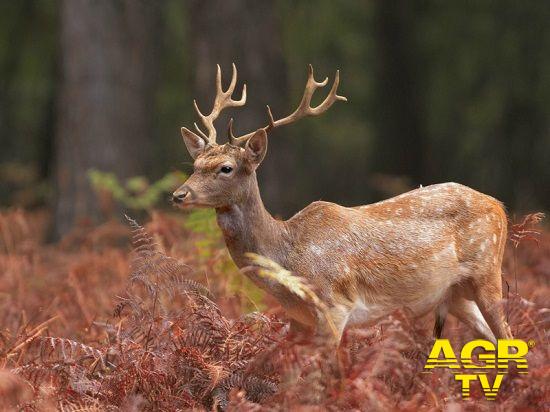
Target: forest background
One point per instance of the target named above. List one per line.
(437, 92)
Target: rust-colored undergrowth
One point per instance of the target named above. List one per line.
(124, 317)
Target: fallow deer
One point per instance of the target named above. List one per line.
(438, 247)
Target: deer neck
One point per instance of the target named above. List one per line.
(248, 227)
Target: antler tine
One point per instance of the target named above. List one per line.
(233, 82)
(311, 78)
(219, 88)
(304, 108)
(238, 141)
(330, 99)
(230, 136)
(201, 133)
(222, 100)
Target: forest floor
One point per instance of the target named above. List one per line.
(117, 317)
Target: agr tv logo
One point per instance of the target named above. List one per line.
(443, 356)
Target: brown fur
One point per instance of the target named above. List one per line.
(434, 248)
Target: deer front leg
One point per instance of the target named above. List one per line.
(440, 316)
(337, 315)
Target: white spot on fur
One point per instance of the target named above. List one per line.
(316, 250)
(449, 252)
(494, 238)
(483, 246)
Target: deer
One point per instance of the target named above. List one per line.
(437, 248)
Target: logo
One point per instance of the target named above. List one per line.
(497, 358)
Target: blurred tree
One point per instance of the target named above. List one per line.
(400, 145)
(438, 91)
(108, 68)
(20, 17)
(28, 51)
(485, 77)
(246, 32)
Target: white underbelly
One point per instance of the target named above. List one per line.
(365, 313)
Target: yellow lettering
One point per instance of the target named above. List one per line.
(490, 391)
(504, 355)
(449, 357)
(442, 355)
(468, 349)
(465, 379)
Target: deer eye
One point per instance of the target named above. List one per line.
(226, 169)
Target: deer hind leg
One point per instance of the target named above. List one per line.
(487, 279)
(467, 312)
(488, 296)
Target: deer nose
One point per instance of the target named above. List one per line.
(179, 196)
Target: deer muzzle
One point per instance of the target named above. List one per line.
(179, 196)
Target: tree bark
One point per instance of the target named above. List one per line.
(108, 67)
(246, 32)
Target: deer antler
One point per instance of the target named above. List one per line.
(304, 108)
(222, 100)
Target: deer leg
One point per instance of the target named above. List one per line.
(488, 296)
(440, 315)
(339, 317)
(468, 313)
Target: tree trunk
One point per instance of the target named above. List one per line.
(247, 33)
(104, 121)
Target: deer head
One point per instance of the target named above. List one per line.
(224, 174)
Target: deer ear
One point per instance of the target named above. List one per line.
(256, 147)
(195, 145)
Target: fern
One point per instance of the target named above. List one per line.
(267, 268)
(172, 345)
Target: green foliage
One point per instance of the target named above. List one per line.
(136, 192)
(203, 221)
(241, 285)
(208, 244)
